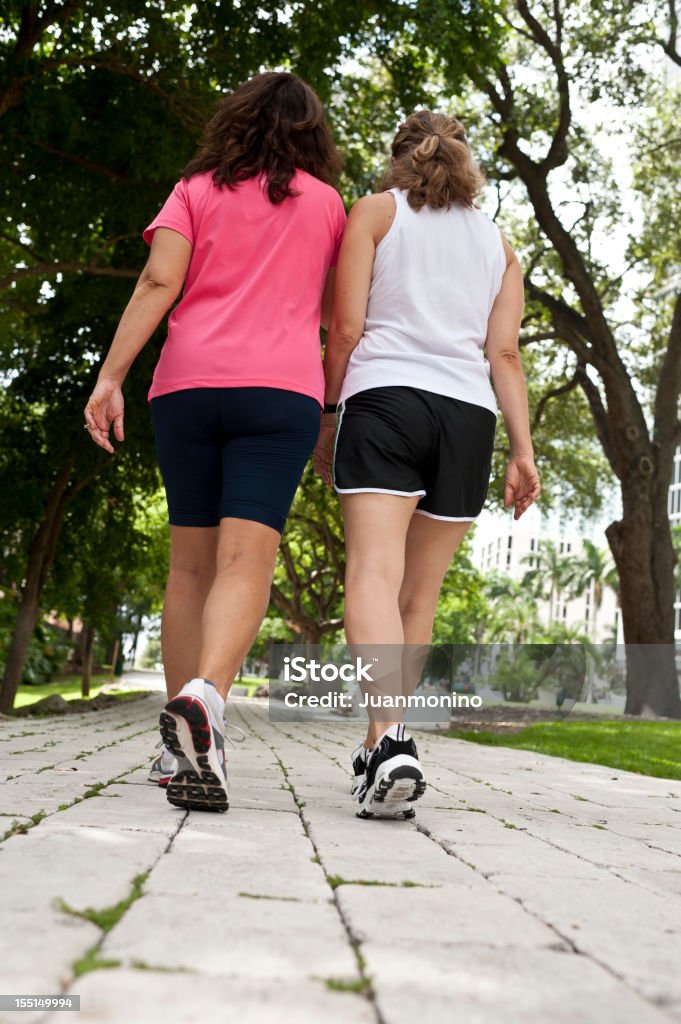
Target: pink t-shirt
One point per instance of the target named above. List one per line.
(249, 315)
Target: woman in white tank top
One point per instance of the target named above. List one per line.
(428, 305)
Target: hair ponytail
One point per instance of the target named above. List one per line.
(432, 162)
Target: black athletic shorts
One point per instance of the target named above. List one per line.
(399, 440)
(237, 452)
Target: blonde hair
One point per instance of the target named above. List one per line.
(432, 162)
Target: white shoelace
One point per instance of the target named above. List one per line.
(234, 728)
(232, 741)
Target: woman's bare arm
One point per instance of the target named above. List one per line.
(369, 221)
(158, 286)
(522, 480)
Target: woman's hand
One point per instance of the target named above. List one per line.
(104, 407)
(521, 484)
(323, 453)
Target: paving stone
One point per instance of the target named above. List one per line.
(145, 809)
(390, 851)
(631, 930)
(478, 985)
(666, 883)
(235, 936)
(279, 864)
(37, 953)
(85, 867)
(149, 997)
(467, 915)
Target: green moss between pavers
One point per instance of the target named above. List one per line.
(142, 965)
(265, 896)
(648, 748)
(91, 962)
(336, 880)
(107, 917)
(361, 986)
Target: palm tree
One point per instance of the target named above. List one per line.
(549, 574)
(514, 611)
(595, 570)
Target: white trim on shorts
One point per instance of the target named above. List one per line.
(446, 519)
(379, 490)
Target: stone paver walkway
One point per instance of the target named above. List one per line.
(528, 889)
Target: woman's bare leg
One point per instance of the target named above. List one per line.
(431, 544)
(376, 528)
(192, 572)
(238, 599)
(430, 547)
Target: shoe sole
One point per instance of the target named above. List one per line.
(187, 733)
(394, 790)
(161, 782)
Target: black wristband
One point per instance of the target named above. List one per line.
(330, 407)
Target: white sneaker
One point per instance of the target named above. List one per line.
(193, 731)
(163, 768)
(394, 778)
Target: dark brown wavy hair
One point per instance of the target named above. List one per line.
(273, 124)
(432, 162)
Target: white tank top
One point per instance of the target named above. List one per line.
(435, 278)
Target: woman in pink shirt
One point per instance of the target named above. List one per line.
(250, 236)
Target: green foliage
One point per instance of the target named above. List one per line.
(516, 675)
(463, 605)
(307, 591)
(48, 651)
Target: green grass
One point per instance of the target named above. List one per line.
(67, 686)
(251, 682)
(649, 748)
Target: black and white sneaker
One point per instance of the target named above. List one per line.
(359, 770)
(394, 779)
(194, 733)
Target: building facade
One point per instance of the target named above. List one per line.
(507, 547)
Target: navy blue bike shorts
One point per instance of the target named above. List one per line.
(233, 452)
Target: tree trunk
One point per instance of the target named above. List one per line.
(115, 651)
(87, 660)
(133, 655)
(40, 558)
(642, 547)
